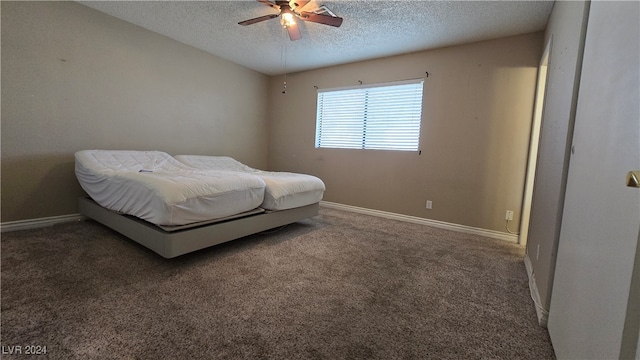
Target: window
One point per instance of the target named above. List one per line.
(382, 117)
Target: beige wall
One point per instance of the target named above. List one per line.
(477, 112)
(566, 29)
(74, 78)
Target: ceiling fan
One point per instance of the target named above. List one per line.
(289, 11)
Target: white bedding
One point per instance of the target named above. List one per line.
(284, 190)
(156, 187)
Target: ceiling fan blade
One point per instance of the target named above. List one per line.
(294, 32)
(258, 19)
(321, 19)
(299, 4)
(269, 3)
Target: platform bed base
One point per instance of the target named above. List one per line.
(170, 244)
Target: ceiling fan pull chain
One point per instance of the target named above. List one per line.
(284, 52)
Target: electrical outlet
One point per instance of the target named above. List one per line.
(509, 215)
(429, 204)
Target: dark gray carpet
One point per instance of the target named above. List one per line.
(338, 286)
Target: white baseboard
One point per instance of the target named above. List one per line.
(418, 220)
(53, 220)
(541, 312)
(38, 223)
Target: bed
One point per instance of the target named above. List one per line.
(283, 190)
(174, 208)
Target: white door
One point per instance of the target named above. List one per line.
(601, 220)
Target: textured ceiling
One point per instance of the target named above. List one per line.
(371, 29)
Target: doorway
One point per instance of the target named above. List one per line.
(532, 160)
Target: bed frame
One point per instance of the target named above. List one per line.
(170, 243)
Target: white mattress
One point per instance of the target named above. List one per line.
(157, 188)
(284, 190)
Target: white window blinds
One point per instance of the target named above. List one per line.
(383, 117)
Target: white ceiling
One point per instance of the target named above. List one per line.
(371, 29)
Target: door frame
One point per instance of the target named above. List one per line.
(536, 127)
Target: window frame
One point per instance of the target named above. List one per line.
(357, 139)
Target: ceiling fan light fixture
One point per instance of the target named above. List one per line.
(287, 19)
